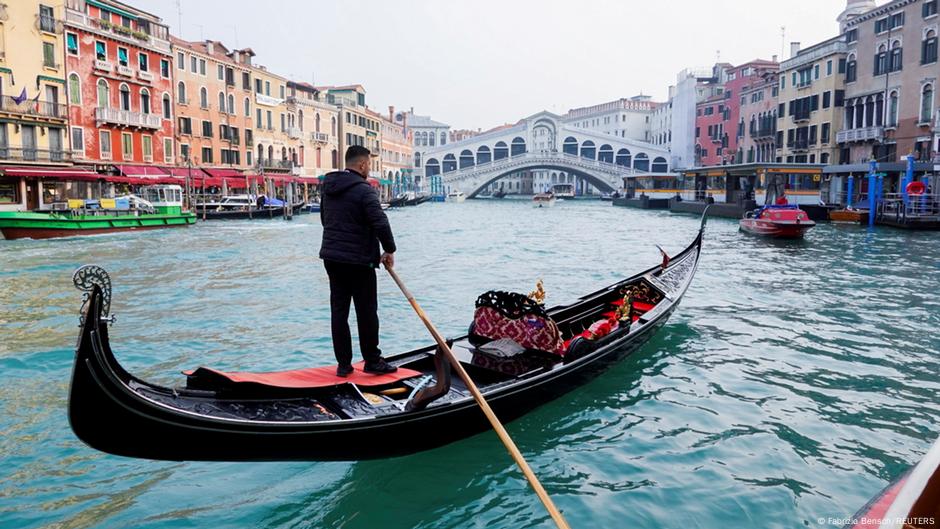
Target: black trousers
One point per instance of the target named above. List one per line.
(356, 283)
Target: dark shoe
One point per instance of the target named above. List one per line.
(344, 371)
(379, 367)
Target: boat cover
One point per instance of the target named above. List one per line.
(314, 377)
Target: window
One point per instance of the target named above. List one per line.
(181, 61)
(928, 49)
(203, 97)
(78, 140)
(816, 72)
(206, 129)
(828, 68)
(258, 86)
(926, 103)
(75, 89)
(827, 99)
(930, 8)
(851, 36)
(824, 133)
(127, 146)
(893, 109)
(147, 147)
(193, 64)
(202, 67)
(282, 91)
(283, 124)
(181, 93)
(247, 108)
(270, 120)
(895, 64)
(881, 25)
(125, 97)
(104, 94)
(122, 57)
(851, 70)
(897, 20)
(143, 61)
(166, 106)
(186, 126)
(71, 43)
(258, 118)
(231, 104)
(246, 81)
(839, 98)
(164, 68)
(206, 155)
(221, 72)
(267, 88)
(184, 152)
(145, 101)
(881, 61)
(104, 142)
(221, 101)
(168, 150)
(48, 55)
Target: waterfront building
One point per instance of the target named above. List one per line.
(214, 107)
(357, 126)
(717, 117)
(624, 118)
(693, 86)
(757, 124)
(277, 146)
(426, 133)
(661, 122)
(463, 134)
(397, 153)
(318, 122)
(890, 82)
(120, 85)
(812, 94)
(33, 114)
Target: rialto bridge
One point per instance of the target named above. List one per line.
(541, 142)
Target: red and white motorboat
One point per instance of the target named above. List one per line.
(783, 221)
(911, 502)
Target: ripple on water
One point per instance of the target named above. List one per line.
(794, 381)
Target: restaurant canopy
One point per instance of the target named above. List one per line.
(59, 173)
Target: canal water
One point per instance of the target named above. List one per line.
(794, 382)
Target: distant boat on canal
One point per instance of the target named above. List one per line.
(780, 221)
(544, 200)
(456, 196)
(159, 206)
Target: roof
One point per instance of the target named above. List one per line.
(415, 120)
(355, 87)
(303, 86)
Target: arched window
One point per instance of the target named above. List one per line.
(466, 158)
(247, 108)
(517, 146)
(570, 146)
(231, 104)
(260, 154)
(270, 153)
(926, 103)
(624, 158)
(896, 56)
(316, 121)
(144, 101)
(203, 97)
(221, 101)
(851, 69)
(879, 110)
(500, 151)
(300, 119)
(928, 48)
(125, 97)
(642, 162)
(75, 89)
(104, 94)
(318, 157)
(606, 154)
(333, 129)
(167, 107)
(431, 139)
(432, 167)
(417, 159)
(588, 150)
(450, 163)
(893, 109)
(443, 138)
(661, 166)
(484, 155)
(283, 153)
(181, 93)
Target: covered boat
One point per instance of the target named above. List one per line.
(310, 414)
(910, 502)
(544, 200)
(785, 221)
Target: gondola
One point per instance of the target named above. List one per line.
(313, 415)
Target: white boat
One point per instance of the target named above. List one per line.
(563, 190)
(544, 200)
(456, 196)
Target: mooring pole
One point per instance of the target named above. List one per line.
(872, 169)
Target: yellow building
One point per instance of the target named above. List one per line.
(275, 149)
(357, 126)
(33, 114)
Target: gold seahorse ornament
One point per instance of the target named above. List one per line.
(538, 295)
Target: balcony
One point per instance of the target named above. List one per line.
(801, 116)
(320, 137)
(294, 133)
(275, 164)
(763, 134)
(48, 24)
(127, 118)
(145, 76)
(75, 16)
(125, 70)
(20, 154)
(104, 66)
(863, 134)
(32, 107)
(801, 145)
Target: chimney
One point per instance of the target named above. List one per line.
(773, 59)
(210, 47)
(794, 49)
(391, 113)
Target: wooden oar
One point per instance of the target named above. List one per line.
(494, 421)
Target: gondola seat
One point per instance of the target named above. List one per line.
(309, 378)
(500, 315)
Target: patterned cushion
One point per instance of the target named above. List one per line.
(529, 330)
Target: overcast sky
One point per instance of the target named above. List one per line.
(481, 63)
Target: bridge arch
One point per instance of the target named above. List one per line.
(518, 146)
(594, 180)
(588, 150)
(606, 154)
(450, 163)
(484, 155)
(570, 146)
(466, 158)
(501, 151)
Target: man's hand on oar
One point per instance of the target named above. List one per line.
(388, 259)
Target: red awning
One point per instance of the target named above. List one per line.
(59, 173)
(224, 173)
(141, 170)
(184, 172)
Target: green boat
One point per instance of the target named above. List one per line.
(159, 206)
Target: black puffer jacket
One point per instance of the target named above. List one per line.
(353, 221)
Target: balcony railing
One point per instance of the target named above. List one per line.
(801, 116)
(863, 134)
(275, 164)
(75, 16)
(798, 145)
(48, 24)
(125, 70)
(758, 134)
(320, 137)
(21, 154)
(145, 76)
(32, 107)
(294, 133)
(127, 118)
(104, 66)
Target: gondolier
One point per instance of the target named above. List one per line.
(353, 227)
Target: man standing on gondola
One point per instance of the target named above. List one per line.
(353, 227)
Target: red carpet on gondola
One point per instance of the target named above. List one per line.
(314, 377)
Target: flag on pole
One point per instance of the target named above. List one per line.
(20, 98)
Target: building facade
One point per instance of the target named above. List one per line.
(692, 87)
(318, 122)
(33, 114)
(890, 83)
(757, 124)
(120, 78)
(277, 149)
(812, 94)
(625, 118)
(661, 122)
(397, 153)
(426, 133)
(357, 125)
(213, 105)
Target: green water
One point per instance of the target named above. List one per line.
(795, 380)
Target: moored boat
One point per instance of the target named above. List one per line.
(311, 414)
(849, 216)
(160, 206)
(499, 194)
(781, 221)
(544, 200)
(910, 502)
(456, 196)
